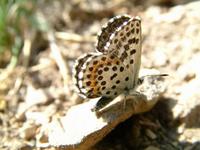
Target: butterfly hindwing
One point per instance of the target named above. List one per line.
(102, 75)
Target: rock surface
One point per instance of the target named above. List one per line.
(81, 128)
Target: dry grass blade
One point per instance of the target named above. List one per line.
(74, 37)
(59, 59)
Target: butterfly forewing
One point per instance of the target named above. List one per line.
(125, 43)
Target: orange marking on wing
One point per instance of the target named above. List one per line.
(93, 79)
(94, 74)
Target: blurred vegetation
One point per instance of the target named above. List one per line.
(17, 17)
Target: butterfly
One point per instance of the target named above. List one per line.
(114, 67)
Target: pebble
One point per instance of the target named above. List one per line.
(151, 134)
(152, 148)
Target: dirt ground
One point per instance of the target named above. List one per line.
(40, 88)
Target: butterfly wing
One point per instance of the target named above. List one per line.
(125, 43)
(115, 67)
(100, 75)
(108, 29)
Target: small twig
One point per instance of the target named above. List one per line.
(72, 37)
(59, 59)
(115, 4)
(26, 52)
(40, 67)
(16, 87)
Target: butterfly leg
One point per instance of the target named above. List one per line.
(133, 93)
(103, 101)
(124, 103)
